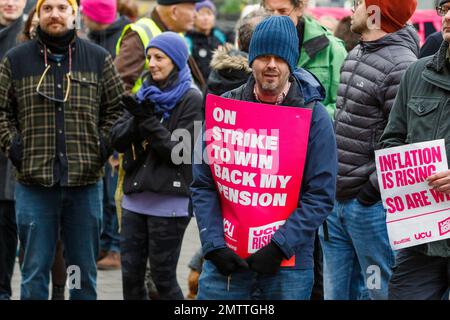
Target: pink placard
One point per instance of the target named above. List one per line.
(257, 155)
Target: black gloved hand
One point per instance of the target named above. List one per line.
(368, 195)
(226, 261)
(15, 152)
(266, 260)
(140, 111)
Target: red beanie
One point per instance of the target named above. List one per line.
(394, 13)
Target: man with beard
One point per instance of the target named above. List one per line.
(11, 25)
(56, 111)
(370, 77)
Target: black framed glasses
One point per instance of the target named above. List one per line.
(442, 10)
(39, 92)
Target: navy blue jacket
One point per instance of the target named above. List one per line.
(317, 194)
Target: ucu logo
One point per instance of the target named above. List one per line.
(262, 232)
(422, 235)
(228, 228)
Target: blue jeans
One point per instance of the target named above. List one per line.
(286, 284)
(45, 213)
(358, 258)
(110, 238)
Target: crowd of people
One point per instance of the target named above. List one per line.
(98, 105)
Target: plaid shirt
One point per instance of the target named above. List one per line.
(90, 112)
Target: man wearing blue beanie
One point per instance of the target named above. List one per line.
(272, 55)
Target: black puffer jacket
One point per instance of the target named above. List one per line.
(369, 82)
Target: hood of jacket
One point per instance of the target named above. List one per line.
(311, 87)
(405, 37)
(227, 57)
(229, 69)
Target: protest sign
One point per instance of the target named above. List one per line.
(257, 154)
(416, 214)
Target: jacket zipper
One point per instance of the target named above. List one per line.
(344, 104)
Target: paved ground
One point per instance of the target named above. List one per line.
(109, 283)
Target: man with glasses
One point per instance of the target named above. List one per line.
(320, 52)
(423, 272)
(358, 241)
(434, 40)
(11, 24)
(59, 96)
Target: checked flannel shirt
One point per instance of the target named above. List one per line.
(85, 119)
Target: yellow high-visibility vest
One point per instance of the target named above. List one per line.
(146, 28)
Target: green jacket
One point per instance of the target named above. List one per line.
(323, 55)
(420, 113)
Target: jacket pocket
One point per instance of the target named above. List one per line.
(422, 118)
(84, 91)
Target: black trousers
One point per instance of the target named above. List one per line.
(8, 246)
(419, 277)
(156, 239)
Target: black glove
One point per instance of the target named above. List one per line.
(15, 152)
(368, 195)
(138, 110)
(266, 260)
(226, 261)
(105, 149)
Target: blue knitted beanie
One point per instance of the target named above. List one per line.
(173, 45)
(277, 36)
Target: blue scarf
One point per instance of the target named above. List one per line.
(165, 100)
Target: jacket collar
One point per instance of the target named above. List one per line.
(294, 97)
(439, 60)
(437, 69)
(315, 39)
